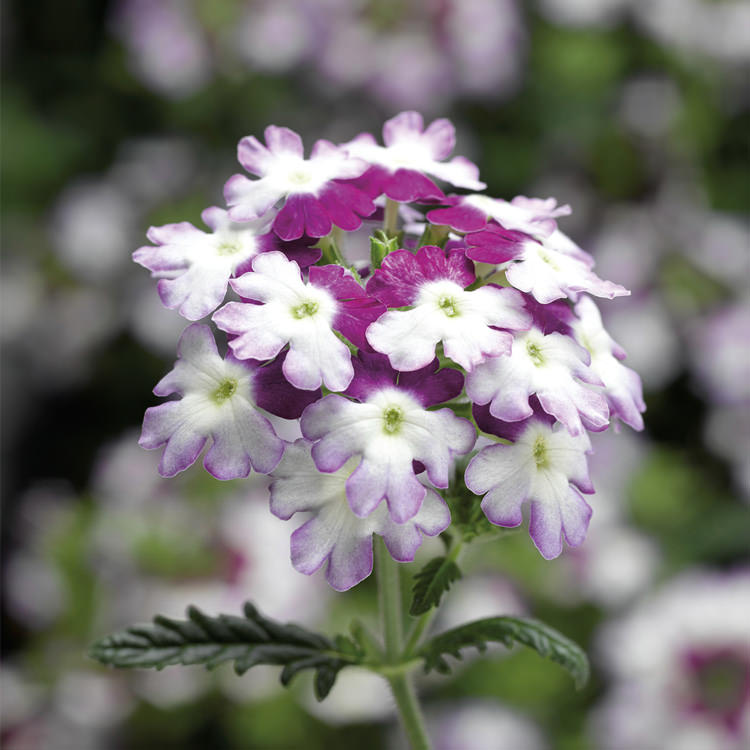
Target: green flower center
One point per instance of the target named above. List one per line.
(393, 416)
(449, 306)
(229, 247)
(305, 310)
(535, 353)
(547, 258)
(299, 177)
(539, 451)
(225, 391)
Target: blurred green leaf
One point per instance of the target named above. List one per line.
(543, 639)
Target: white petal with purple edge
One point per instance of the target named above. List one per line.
(293, 313)
(334, 535)
(541, 467)
(550, 366)
(218, 403)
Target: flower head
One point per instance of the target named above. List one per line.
(544, 465)
(410, 153)
(389, 426)
(195, 266)
(302, 315)
(315, 198)
(336, 535)
(220, 399)
(467, 322)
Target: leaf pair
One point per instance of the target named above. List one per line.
(255, 639)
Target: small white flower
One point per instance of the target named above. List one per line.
(552, 367)
(542, 466)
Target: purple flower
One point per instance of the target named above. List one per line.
(220, 399)
(545, 465)
(334, 534)
(390, 427)
(470, 213)
(315, 198)
(304, 316)
(195, 266)
(550, 366)
(552, 268)
(622, 386)
(410, 153)
(433, 285)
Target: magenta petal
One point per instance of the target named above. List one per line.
(394, 282)
(276, 395)
(345, 204)
(372, 182)
(397, 281)
(434, 265)
(462, 218)
(317, 221)
(337, 210)
(372, 372)
(495, 245)
(431, 386)
(289, 223)
(406, 185)
(302, 214)
(354, 316)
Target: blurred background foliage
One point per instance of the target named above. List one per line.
(116, 116)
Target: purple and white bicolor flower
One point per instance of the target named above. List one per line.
(194, 266)
(622, 386)
(302, 315)
(221, 399)
(545, 465)
(470, 213)
(336, 535)
(551, 366)
(550, 269)
(434, 286)
(410, 153)
(390, 427)
(315, 198)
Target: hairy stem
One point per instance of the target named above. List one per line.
(389, 591)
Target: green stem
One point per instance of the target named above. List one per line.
(411, 715)
(390, 221)
(389, 591)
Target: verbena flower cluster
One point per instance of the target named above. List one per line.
(477, 306)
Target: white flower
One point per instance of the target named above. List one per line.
(334, 533)
(293, 312)
(545, 465)
(551, 367)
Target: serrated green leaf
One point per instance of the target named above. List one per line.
(209, 640)
(431, 583)
(545, 640)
